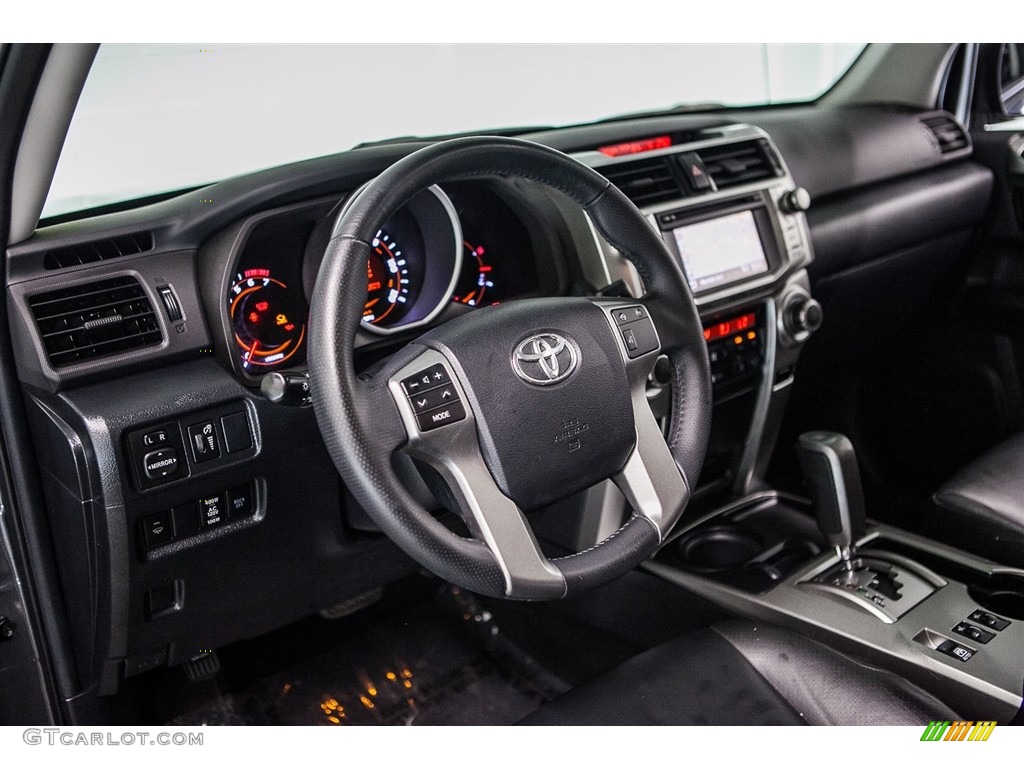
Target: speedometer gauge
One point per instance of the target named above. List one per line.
(414, 260)
(268, 319)
(387, 279)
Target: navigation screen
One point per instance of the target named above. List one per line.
(720, 251)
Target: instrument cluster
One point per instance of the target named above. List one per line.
(444, 252)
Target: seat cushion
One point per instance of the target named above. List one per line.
(738, 673)
(981, 509)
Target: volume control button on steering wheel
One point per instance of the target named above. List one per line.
(434, 399)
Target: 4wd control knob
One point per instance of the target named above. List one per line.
(799, 316)
(806, 315)
(796, 200)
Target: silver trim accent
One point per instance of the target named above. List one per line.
(1009, 126)
(748, 460)
(454, 452)
(651, 480)
(537, 349)
(990, 682)
(919, 583)
(453, 217)
(794, 257)
(967, 77)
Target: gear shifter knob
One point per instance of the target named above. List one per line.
(830, 470)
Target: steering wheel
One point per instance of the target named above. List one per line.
(518, 405)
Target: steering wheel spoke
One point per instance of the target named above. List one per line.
(445, 438)
(651, 480)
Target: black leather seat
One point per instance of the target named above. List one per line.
(981, 509)
(738, 673)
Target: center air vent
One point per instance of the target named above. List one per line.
(743, 162)
(949, 134)
(98, 250)
(94, 320)
(645, 182)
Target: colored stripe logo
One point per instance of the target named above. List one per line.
(968, 730)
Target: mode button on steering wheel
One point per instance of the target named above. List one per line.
(434, 399)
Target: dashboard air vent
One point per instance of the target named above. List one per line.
(94, 320)
(98, 250)
(645, 182)
(949, 134)
(742, 162)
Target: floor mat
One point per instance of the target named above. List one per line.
(445, 662)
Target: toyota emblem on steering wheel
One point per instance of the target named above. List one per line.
(545, 358)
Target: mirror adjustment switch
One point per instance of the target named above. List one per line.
(157, 454)
(156, 438)
(161, 463)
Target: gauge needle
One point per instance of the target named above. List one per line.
(252, 350)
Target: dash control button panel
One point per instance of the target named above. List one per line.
(433, 397)
(204, 442)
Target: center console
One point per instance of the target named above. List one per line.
(951, 622)
(727, 208)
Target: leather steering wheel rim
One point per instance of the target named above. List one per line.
(362, 425)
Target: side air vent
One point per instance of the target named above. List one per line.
(98, 250)
(645, 182)
(742, 162)
(94, 320)
(949, 134)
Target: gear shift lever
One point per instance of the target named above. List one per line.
(830, 469)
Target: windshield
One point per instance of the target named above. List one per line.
(157, 118)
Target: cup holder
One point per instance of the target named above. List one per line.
(1001, 593)
(716, 549)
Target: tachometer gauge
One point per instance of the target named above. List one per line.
(387, 279)
(268, 319)
(475, 280)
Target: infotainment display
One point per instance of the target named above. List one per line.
(720, 251)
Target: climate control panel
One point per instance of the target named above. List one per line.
(735, 350)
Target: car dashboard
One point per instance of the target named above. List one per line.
(188, 511)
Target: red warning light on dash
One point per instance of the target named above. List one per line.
(635, 147)
(729, 327)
